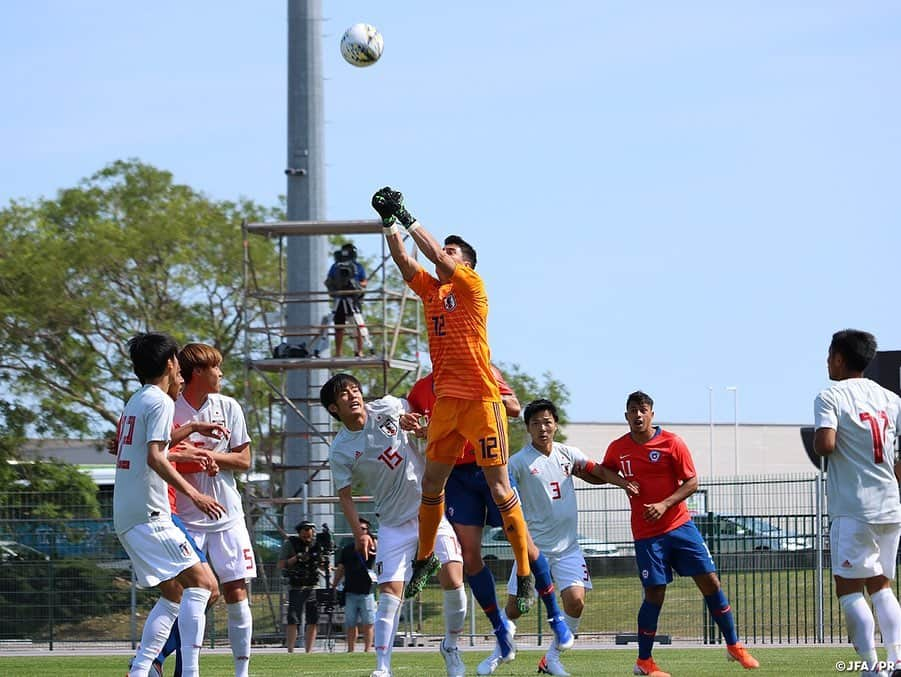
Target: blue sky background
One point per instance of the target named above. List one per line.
(664, 196)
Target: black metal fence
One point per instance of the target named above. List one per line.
(65, 581)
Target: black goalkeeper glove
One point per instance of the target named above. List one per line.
(396, 199)
(383, 206)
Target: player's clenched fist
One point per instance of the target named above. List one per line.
(389, 203)
(384, 207)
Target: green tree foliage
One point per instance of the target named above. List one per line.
(527, 388)
(126, 250)
(35, 490)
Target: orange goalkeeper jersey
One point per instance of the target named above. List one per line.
(456, 315)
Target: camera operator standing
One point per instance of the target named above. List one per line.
(303, 558)
(346, 275)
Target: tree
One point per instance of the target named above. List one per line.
(127, 250)
(528, 388)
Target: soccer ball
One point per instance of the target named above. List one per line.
(362, 45)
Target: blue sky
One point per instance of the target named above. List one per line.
(665, 196)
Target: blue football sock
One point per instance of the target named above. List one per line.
(721, 611)
(647, 628)
(483, 590)
(545, 585)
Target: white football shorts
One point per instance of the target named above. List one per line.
(158, 550)
(396, 549)
(862, 550)
(567, 569)
(229, 552)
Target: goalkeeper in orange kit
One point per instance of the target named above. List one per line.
(468, 405)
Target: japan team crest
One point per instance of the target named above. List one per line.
(389, 427)
(450, 302)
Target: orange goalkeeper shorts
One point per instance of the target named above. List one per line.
(454, 421)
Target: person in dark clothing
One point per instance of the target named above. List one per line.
(359, 604)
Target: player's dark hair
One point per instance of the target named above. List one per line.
(639, 398)
(197, 356)
(537, 406)
(858, 348)
(149, 353)
(469, 254)
(328, 394)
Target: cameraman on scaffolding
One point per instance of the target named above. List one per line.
(346, 275)
(302, 559)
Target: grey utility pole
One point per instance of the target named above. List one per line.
(307, 254)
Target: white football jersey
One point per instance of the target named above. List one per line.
(140, 495)
(222, 487)
(861, 480)
(545, 486)
(383, 459)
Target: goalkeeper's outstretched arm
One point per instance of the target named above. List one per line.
(390, 206)
(406, 263)
(434, 252)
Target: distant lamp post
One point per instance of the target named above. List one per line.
(734, 391)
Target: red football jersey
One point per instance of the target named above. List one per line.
(659, 466)
(422, 399)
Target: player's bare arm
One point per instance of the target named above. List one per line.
(236, 459)
(824, 441)
(654, 511)
(214, 430)
(416, 424)
(405, 263)
(511, 405)
(364, 542)
(157, 461)
(434, 252)
(185, 452)
(606, 475)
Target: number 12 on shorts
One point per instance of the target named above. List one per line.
(488, 445)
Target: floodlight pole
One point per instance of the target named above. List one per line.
(306, 254)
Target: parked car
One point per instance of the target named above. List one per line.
(741, 533)
(10, 551)
(496, 546)
(592, 547)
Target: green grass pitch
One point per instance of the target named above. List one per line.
(588, 662)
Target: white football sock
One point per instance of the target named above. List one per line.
(386, 616)
(191, 624)
(156, 631)
(454, 615)
(888, 613)
(861, 625)
(240, 629)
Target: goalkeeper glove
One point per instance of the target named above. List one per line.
(384, 208)
(396, 199)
